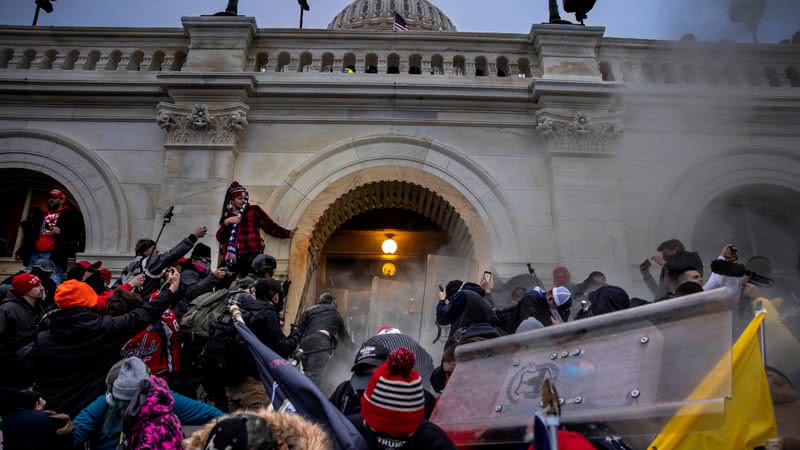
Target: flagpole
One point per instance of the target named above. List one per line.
(301, 16)
(36, 16)
(762, 332)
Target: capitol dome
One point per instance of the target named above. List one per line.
(378, 15)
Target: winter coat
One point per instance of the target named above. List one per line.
(465, 309)
(67, 243)
(326, 317)
(73, 356)
(427, 437)
(152, 266)
(194, 283)
(153, 424)
(89, 423)
(23, 427)
(17, 325)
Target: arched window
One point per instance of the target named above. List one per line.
(459, 65)
(70, 60)
(480, 66)
(437, 65)
(393, 64)
(606, 72)
(502, 66)
(371, 63)
(415, 65)
(157, 62)
(327, 62)
(283, 62)
(349, 62)
(305, 62)
(113, 60)
(26, 194)
(135, 62)
(524, 68)
(262, 59)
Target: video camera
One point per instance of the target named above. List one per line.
(732, 269)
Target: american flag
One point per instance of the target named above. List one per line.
(399, 23)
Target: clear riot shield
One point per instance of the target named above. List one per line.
(393, 303)
(623, 374)
(440, 270)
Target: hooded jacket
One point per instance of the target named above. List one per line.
(156, 264)
(72, 356)
(17, 324)
(323, 316)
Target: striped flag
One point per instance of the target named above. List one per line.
(399, 23)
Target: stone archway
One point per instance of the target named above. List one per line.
(311, 189)
(88, 178)
(697, 188)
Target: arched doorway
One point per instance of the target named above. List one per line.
(25, 193)
(761, 219)
(397, 286)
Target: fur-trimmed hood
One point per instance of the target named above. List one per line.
(290, 430)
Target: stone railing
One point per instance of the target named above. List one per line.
(92, 49)
(699, 63)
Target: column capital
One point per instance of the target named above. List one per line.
(577, 133)
(202, 126)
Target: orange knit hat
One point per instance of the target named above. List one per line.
(74, 293)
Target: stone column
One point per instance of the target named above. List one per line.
(586, 206)
(567, 52)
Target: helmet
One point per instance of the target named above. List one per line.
(264, 263)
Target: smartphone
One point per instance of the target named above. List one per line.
(442, 295)
(487, 277)
(645, 265)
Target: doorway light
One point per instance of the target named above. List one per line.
(389, 246)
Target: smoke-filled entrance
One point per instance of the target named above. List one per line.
(384, 249)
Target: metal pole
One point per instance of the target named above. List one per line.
(36, 16)
(301, 17)
(762, 332)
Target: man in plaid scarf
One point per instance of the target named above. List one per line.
(240, 227)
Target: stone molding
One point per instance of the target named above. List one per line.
(201, 125)
(577, 134)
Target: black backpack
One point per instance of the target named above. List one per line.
(225, 352)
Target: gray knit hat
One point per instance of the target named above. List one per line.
(529, 324)
(131, 373)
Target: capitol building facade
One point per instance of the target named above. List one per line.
(474, 151)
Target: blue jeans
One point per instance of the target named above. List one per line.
(36, 256)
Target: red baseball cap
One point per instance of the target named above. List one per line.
(56, 193)
(87, 265)
(24, 282)
(105, 274)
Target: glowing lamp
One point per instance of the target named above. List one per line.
(389, 246)
(389, 270)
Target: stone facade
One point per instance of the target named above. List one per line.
(559, 146)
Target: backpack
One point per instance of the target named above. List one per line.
(202, 311)
(222, 353)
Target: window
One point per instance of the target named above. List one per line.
(437, 65)
(502, 66)
(283, 62)
(415, 65)
(480, 66)
(135, 62)
(305, 62)
(459, 65)
(524, 68)
(371, 63)
(393, 64)
(605, 71)
(262, 59)
(327, 62)
(349, 62)
(157, 62)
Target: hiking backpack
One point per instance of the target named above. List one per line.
(202, 311)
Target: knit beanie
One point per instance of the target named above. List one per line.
(74, 293)
(561, 295)
(561, 276)
(131, 374)
(394, 402)
(24, 282)
(529, 324)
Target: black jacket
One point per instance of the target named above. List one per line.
(17, 325)
(195, 284)
(323, 317)
(23, 427)
(427, 437)
(68, 242)
(155, 265)
(73, 356)
(465, 309)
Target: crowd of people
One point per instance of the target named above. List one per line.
(93, 362)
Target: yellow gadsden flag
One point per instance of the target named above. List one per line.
(749, 417)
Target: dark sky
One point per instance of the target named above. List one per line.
(655, 19)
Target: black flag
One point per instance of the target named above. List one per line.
(304, 4)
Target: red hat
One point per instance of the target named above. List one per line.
(87, 265)
(24, 282)
(56, 193)
(561, 276)
(105, 274)
(72, 293)
(394, 402)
